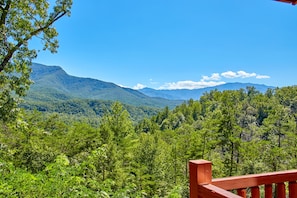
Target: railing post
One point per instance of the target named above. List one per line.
(268, 191)
(255, 192)
(200, 173)
(281, 190)
(241, 192)
(292, 189)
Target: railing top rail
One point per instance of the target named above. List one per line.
(203, 185)
(245, 181)
(212, 191)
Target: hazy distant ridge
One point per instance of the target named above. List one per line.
(186, 94)
(53, 83)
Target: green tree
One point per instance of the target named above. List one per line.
(229, 131)
(144, 164)
(21, 21)
(117, 132)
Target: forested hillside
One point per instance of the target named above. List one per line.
(240, 131)
(92, 109)
(52, 84)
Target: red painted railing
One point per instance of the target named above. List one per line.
(276, 184)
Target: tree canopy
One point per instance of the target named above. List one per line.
(21, 21)
(54, 155)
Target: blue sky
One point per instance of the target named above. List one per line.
(172, 44)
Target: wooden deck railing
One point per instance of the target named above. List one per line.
(275, 184)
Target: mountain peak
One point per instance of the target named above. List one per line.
(52, 82)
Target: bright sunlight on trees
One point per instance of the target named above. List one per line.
(20, 21)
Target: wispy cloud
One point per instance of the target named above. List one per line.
(139, 86)
(187, 84)
(152, 82)
(229, 74)
(242, 74)
(207, 81)
(262, 77)
(214, 76)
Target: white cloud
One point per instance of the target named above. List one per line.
(139, 86)
(262, 77)
(207, 81)
(214, 76)
(229, 74)
(188, 84)
(243, 74)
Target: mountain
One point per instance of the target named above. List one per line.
(186, 94)
(52, 83)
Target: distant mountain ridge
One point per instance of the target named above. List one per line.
(186, 94)
(53, 83)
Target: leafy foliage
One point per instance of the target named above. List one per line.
(20, 21)
(54, 155)
(88, 109)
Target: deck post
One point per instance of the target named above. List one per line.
(292, 189)
(281, 190)
(255, 192)
(268, 191)
(241, 192)
(200, 173)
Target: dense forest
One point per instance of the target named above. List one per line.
(55, 155)
(86, 108)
